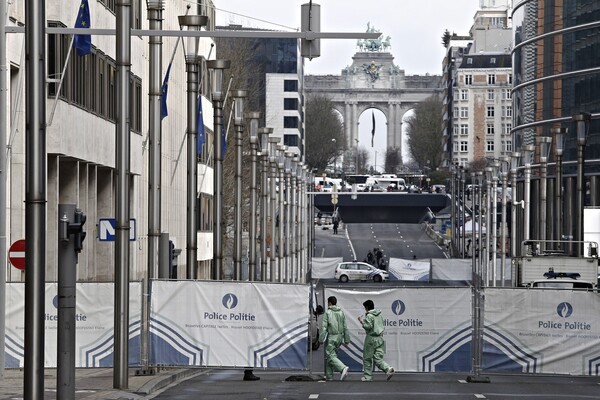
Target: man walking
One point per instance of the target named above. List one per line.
(374, 346)
(335, 331)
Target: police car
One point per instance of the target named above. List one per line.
(359, 271)
(562, 280)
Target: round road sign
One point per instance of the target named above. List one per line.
(16, 254)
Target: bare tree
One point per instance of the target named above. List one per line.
(392, 159)
(425, 133)
(324, 133)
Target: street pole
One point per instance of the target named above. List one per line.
(122, 228)
(218, 97)
(528, 151)
(559, 135)
(264, 204)
(514, 164)
(504, 166)
(238, 121)
(544, 143)
(253, 217)
(583, 122)
(273, 204)
(494, 227)
(489, 172)
(281, 201)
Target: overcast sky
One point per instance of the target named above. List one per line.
(415, 27)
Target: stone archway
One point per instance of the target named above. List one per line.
(373, 81)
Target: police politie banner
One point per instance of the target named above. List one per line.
(229, 324)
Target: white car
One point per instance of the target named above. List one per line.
(562, 280)
(359, 271)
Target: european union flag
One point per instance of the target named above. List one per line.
(223, 138)
(163, 98)
(201, 135)
(83, 43)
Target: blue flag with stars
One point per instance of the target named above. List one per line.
(163, 91)
(201, 136)
(83, 43)
(223, 138)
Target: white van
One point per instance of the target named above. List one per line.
(324, 184)
(384, 184)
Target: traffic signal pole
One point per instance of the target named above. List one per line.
(70, 243)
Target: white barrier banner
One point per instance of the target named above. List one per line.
(324, 268)
(550, 331)
(426, 329)
(229, 324)
(408, 270)
(94, 324)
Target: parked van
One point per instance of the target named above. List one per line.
(384, 183)
(324, 184)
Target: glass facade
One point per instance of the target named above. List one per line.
(556, 68)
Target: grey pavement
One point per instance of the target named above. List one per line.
(97, 383)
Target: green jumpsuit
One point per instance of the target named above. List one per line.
(334, 329)
(374, 347)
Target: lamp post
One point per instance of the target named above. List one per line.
(294, 190)
(544, 142)
(289, 156)
(559, 137)
(264, 195)
(281, 201)
(252, 218)
(238, 121)
(504, 163)
(494, 227)
(489, 173)
(192, 23)
(218, 97)
(463, 237)
(272, 202)
(334, 155)
(528, 151)
(583, 124)
(514, 167)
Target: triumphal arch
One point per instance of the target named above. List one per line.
(373, 81)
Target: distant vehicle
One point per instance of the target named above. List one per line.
(562, 280)
(359, 271)
(324, 184)
(359, 180)
(383, 183)
(438, 189)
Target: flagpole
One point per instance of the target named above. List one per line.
(62, 77)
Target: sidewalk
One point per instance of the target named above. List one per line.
(97, 383)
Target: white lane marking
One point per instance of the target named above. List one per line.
(313, 396)
(462, 381)
(479, 396)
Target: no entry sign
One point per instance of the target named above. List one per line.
(16, 254)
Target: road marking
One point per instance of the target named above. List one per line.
(462, 381)
(479, 396)
(313, 396)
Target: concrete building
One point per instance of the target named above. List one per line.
(478, 82)
(81, 135)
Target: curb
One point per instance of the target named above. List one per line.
(168, 378)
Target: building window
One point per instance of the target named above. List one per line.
(464, 146)
(455, 147)
(455, 130)
(493, 60)
(508, 146)
(455, 112)
(510, 79)
(290, 104)
(491, 79)
(490, 111)
(490, 145)
(506, 94)
(490, 129)
(464, 94)
(290, 140)
(290, 85)
(468, 79)
(290, 122)
(464, 112)
(469, 60)
(507, 111)
(490, 94)
(464, 129)
(506, 129)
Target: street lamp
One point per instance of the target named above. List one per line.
(289, 156)
(544, 142)
(192, 23)
(489, 173)
(218, 97)
(264, 195)
(252, 218)
(281, 200)
(294, 191)
(334, 155)
(494, 207)
(583, 125)
(504, 163)
(514, 167)
(528, 152)
(272, 201)
(559, 140)
(238, 121)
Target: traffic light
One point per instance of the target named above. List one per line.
(76, 229)
(310, 21)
